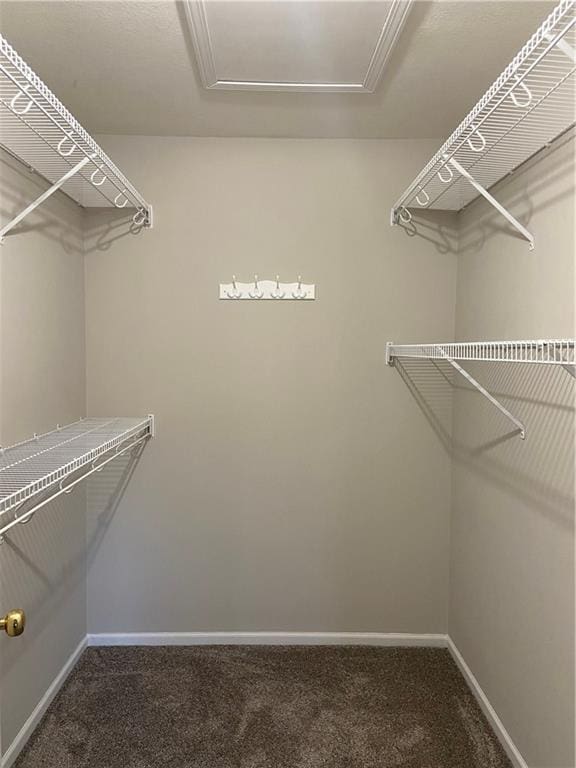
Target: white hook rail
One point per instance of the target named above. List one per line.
(263, 290)
(36, 128)
(535, 351)
(40, 466)
(526, 108)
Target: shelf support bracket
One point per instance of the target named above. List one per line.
(500, 208)
(568, 367)
(564, 46)
(487, 395)
(17, 219)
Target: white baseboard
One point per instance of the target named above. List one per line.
(496, 724)
(270, 638)
(376, 639)
(9, 757)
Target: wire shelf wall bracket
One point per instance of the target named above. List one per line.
(530, 105)
(34, 471)
(38, 130)
(536, 351)
(54, 188)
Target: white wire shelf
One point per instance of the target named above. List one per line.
(534, 351)
(544, 351)
(525, 109)
(37, 128)
(43, 464)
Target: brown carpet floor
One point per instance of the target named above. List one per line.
(264, 707)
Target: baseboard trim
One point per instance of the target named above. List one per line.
(376, 639)
(492, 716)
(270, 638)
(9, 757)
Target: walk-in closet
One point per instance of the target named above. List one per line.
(287, 383)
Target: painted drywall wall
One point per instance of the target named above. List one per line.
(42, 383)
(512, 553)
(293, 484)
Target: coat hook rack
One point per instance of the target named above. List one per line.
(261, 290)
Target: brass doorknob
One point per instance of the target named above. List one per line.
(13, 623)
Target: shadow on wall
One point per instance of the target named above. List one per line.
(107, 225)
(20, 187)
(52, 220)
(525, 194)
(44, 580)
(436, 227)
(538, 470)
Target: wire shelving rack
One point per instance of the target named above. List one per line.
(530, 104)
(534, 351)
(37, 129)
(50, 464)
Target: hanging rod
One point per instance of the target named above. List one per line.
(36, 128)
(40, 466)
(530, 104)
(535, 351)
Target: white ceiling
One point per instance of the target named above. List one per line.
(302, 45)
(129, 66)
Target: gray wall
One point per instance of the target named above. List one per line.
(296, 483)
(42, 383)
(512, 563)
(293, 485)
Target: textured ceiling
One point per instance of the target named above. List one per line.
(128, 67)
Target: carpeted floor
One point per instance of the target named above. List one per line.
(264, 707)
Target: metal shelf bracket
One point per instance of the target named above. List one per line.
(390, 357)
(496, 403)
(44, 196)
(492, 200)
(550, 352)
(563, 46)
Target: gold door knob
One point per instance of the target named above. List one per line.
(13, 623)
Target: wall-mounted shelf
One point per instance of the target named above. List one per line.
(525, 109)
(36, 128)
(535, 351)
(48, 465)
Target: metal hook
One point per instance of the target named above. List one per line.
(450, 177)
(27, 108)
(66, 490)
(98, 183)
(25, 518)
(299, 293)
(476, 132)
(67, 137)
(139, 217)
(520, 104)
(426, 195)
(236, 294)
(277, 293)
(404, 215)
(121, 205)
(256, 293)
